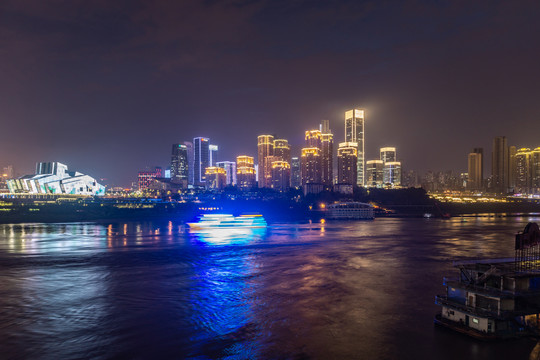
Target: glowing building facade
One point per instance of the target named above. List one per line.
(354, 132)
(392, 174)
(265, 148)
(311, 170)
(281, 175)
(180, 165)
(230, 169)
(327, 161)
(215, 178)
(375, 173)
(475, 181)
(282, 150)
(201, 152)
(213, 155)
(245, 172)
(296, 172)
(347, 162)
(54, 178)
(388, 154)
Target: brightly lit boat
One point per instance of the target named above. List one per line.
(208, 221)
(350, 210)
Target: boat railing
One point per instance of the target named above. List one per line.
(444, 300)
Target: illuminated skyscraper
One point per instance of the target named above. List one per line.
(347, 162)
(213, 155)
(375, 173)
(201, 159)
(535, 170)
(265, 148)
(327, 155)
(313, 139)
(388, 154)
(296, 172)
(245, 172)
(311, 170)
(215, 178)
(179, 165)
(392, 174)
(282, 150)
(500, 165)
(230, 169)
(474, 181)
(354, 132)
(523, 170)
(281, 175)
(191, 162)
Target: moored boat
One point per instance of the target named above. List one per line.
(350, 210)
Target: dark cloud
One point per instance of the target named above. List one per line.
(107, 86)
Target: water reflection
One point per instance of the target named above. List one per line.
(326, 289)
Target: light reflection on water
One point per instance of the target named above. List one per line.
(316, 290)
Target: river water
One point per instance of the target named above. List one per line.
(331, 290)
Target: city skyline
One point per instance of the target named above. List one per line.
(108, 88)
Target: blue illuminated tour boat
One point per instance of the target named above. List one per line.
(209, 221)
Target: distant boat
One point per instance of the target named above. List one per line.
(208, 221)
(350, 210)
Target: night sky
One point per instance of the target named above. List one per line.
(107, 86)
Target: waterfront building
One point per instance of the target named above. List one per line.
(265, 148)
(311, 170)
(281, 175)
(392, 174)
(354, 132)
(327, 162)
(523, 176)
(500, 165)
(191, 161)
(213, 155)
(245, 172)
(54, 178)
(535, 170)
(475, 181)
(388, 154)
(215, 178)
(145, 178)
(347, 162)
(296, 172)
(512, 167)
(375, 173)
(179, 172)
(230, 169)
(201, 151)
(282, 150)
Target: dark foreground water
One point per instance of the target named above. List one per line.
(338, 290)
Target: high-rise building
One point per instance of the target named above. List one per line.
(145, 178)
(388, 154)
(354, 132)
(523, 170)
(179, 165)
(191, 162)
(215, 178)
(296, 172)
(230, 169)
(392, 174)
(481, 152)
(313, 139)
(265, 148)
(201, 151)
(500, 165)
(213, 155)
(474, 179)
(311, 170)
(347, 162)
(245, 172)
(512, 167)
(281, 175)
(375, 173)
(282, 150)
(535, 170)
(327, 157)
